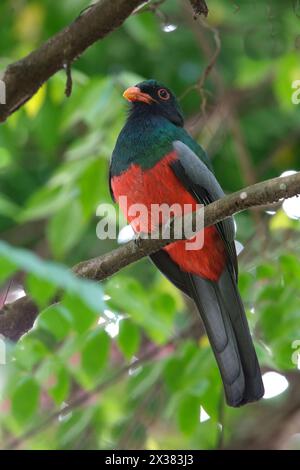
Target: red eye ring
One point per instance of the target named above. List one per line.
(163, 94)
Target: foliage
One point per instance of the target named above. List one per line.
(54, 155)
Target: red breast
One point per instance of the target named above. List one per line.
(159, 185)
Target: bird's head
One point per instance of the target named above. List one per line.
(152, 97)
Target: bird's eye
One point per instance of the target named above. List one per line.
(163, 94)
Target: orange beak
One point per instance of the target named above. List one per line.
(135, 94)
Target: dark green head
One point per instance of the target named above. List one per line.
(152, 98)
(155, 121)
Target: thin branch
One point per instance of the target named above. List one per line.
(217, 119)
(69, 83)
(4, 293)
(199, 86)
(252, 196)
(244, 157)
(199, 7)
(82, 399)
(86, 396)
(24, 77)
(18, 317)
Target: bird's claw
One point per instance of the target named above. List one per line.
(138, 240)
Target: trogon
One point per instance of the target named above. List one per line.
(155, 161)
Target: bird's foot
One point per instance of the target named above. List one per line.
(138, 240)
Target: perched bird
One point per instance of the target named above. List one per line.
(156, 161)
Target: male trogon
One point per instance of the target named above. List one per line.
(156, 161)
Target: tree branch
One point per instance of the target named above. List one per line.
(84, 397)
(18, 317)
(23, 78)
(199, 7)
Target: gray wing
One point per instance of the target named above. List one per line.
(202, 183)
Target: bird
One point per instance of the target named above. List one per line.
(156, 161)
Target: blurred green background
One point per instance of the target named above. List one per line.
(54, 156)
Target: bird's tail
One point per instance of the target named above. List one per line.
(224, 318)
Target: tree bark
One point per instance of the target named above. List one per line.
(23, 78)
(18, 317)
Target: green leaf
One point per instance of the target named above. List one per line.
(25, 400)
(95, 106)
(46, 201)
(65, 228)
(5, 158)
(60, 391)
(143, 379)
(265, 271)
(129, 338)
(287, 72)
(172, 378)
(129, 296)
(7, 207)
(188, 413)
(7, 268)
(93, 187)
(87, 291)
(94, 354)
(143, 28)
(164, 306)
(82, 317)
(88, 145)
(193, 363)
(74, 425)
(30, 350)
(290, 266)
(56, 320)
(40, 290)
